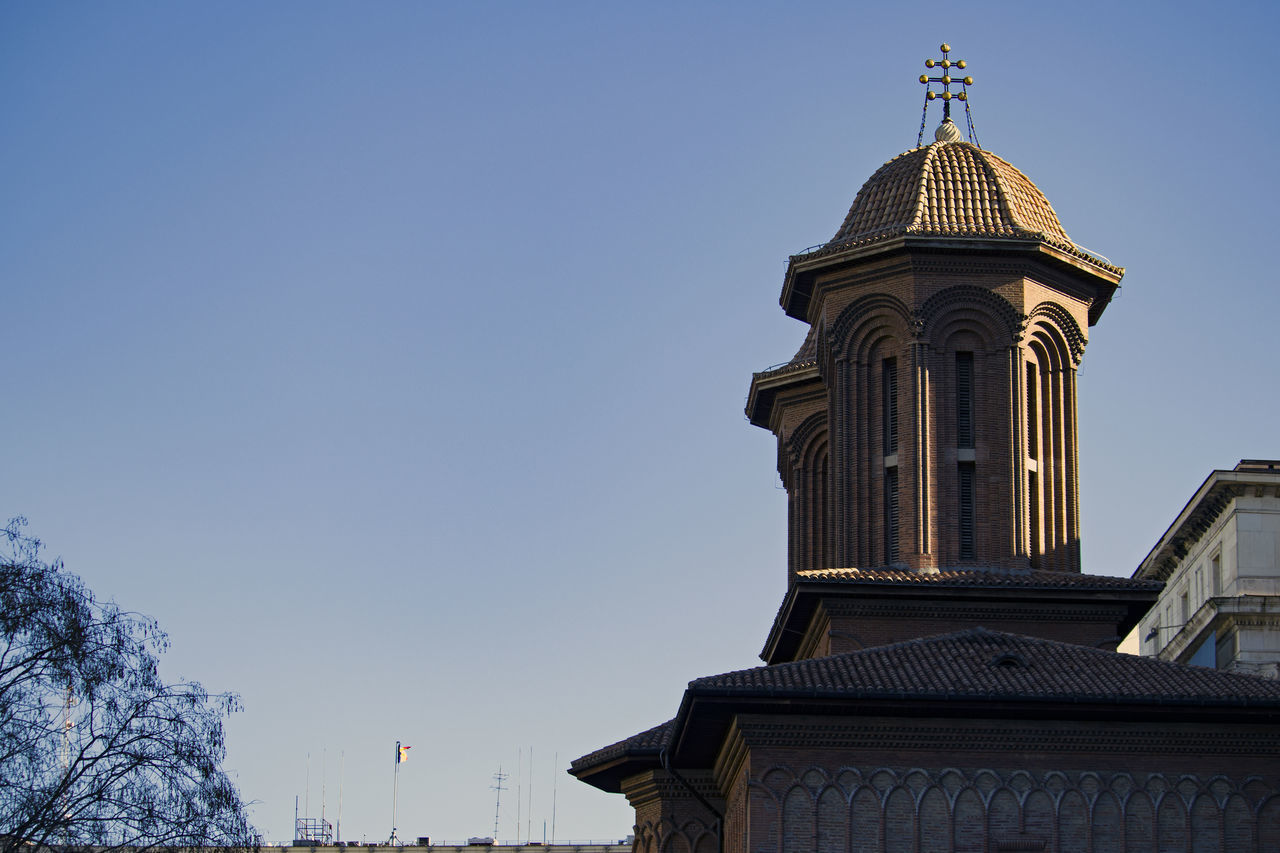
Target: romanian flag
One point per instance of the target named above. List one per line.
(402, 753)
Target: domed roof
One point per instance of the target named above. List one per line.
(950, 189)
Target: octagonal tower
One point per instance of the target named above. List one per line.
(928, 421)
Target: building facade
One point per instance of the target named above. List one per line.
(1220, 565)
(941, 676)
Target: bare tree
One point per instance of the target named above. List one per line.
(96, 749)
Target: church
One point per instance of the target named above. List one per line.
(941, 675)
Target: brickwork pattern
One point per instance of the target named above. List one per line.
(974, 810)
(1025, 330)
(669, 818)
(853, 626)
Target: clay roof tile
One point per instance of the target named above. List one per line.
(979, 663)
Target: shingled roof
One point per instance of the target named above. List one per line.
(966, 674)
(607, 765)
(955, 194)
(950, 187)
(648, 742)
(992, 665)
(981, 577)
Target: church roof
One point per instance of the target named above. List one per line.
(649, 743)
(951, 188)
(930, 197)
(970, 674)
(991, 665)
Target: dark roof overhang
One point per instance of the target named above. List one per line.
(607, 767)
(973, 674)
(805, 594)
(768, 384)
(706, 714)
(1097, 277)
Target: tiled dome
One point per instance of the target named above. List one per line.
(951, 189)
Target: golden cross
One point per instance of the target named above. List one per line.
(946, 64)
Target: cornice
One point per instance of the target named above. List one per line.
(1063, 268)
(652, 785)
(951, 735)
(766, 386)
(731, 758)
(1198, 518)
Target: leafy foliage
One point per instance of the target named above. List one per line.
(95, 749)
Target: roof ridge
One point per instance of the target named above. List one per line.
(997, 178)
(977, 630)
(922, 186)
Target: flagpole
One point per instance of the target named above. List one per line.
(395, 795)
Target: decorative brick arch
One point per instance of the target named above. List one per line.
(847, 336)
(804, 438)
(1064, 324)
(978, 807)
(996, 318)
(691, 835)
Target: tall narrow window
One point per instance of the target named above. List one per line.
(966, 511)
(1033, 394)
(1033, 488)
(890, 516)
(889, 440)
(964, 399)
(889, 395)
(826, 546)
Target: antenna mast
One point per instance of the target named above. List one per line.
(342, 766)
(555, 778)
(498, 779)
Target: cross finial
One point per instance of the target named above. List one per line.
(947, 130)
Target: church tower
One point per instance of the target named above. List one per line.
(940, 674)
(928, 422)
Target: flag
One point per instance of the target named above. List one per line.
(402, 753)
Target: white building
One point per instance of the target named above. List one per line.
(1220, 561)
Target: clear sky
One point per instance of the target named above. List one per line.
(393, 355)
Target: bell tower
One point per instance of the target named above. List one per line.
(928, 421)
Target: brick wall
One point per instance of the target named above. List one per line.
(920, 312)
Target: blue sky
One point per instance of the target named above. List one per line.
(393, 356)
